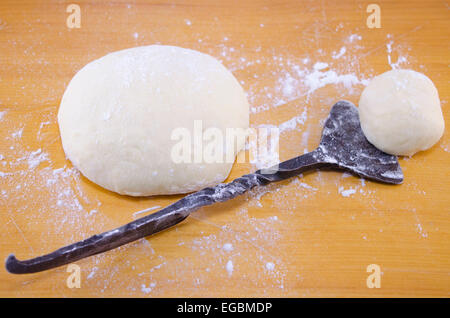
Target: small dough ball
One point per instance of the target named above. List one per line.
(400, 112)
(119, 115)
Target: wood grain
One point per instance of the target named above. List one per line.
(318, 241)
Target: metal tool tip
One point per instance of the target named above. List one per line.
(11, 264)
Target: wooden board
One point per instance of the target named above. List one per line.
(300, 238)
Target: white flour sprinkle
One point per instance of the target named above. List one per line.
(306, 186)
(92, 273)
(297, 80)
(340, 54)
(229, 267)
(4, 174)
(421, 231)
(17, 133)
(320, 66)
(270, 266)
(401, 58)
(227, 247)
(346, 193)
(35, 158)
(148, 289)
(318, 79)
(293, 122)
(354, 37)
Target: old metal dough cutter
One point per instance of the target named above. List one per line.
(343, 146)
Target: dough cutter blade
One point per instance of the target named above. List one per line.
(343, 144)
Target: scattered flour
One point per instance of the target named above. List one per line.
(92, 273)
(340, 54)
(4, 174)
(292, 123)
(320, 66)
(318, 79)
(18, 133)
(346, 193)
(306, 186)
(401, 58)
(35, 158)
(354, 37)
(421, 230)
(148, 289)
(228, 247)
(270, 266)
(229, 268)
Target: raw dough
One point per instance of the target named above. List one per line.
(118, 114)
(400, 112)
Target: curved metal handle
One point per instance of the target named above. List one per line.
(161, 220)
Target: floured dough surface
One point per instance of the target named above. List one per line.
(118, 114)
(400, 112)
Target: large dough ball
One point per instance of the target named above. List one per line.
(118, 114)
(400, 112)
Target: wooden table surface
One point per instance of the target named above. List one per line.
(305, 237)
